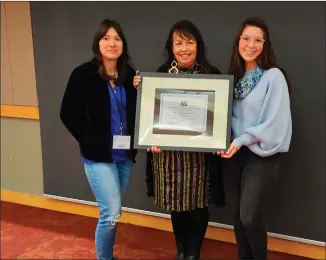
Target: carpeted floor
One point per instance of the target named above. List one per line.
(33, 233)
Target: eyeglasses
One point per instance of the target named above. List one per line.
(257, 41)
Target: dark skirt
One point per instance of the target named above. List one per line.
(180, 181)
(213, 189)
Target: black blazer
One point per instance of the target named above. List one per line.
(86, 111)
(213, 163)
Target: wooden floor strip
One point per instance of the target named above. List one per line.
(220, 234)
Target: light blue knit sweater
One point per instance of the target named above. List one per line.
(262, 121)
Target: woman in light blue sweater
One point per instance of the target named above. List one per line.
(261, 131)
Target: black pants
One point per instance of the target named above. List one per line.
(249, 177)
(189, 230)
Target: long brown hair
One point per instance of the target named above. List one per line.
(266, 59)
(123, 61)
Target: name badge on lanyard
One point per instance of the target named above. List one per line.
(121, 142)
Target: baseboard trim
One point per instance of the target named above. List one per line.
(161, 223)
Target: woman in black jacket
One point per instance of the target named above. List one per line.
(98, 109)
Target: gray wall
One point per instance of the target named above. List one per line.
(63, 32)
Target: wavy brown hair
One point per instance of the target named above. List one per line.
(124, 61)
(266, 60)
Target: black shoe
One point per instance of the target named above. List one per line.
(181, 251)
(180, 256)
(191, 257)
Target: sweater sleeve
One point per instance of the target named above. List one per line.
(275, 123)
(72, 107)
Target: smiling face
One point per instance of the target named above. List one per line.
(111, 45)
(251, 45)
(184, 49)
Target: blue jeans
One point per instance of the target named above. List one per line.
(108, 183)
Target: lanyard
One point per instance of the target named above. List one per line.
(119, 104)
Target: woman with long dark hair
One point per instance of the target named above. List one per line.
(179, 180)
(261, 131)
(98, 109)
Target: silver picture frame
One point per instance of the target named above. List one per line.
(166, 120)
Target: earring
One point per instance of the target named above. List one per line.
(174, 68)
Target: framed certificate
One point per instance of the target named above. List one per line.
(184, 112)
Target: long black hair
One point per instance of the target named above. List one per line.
(188, 29)
(266, 59)
(123, 61)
